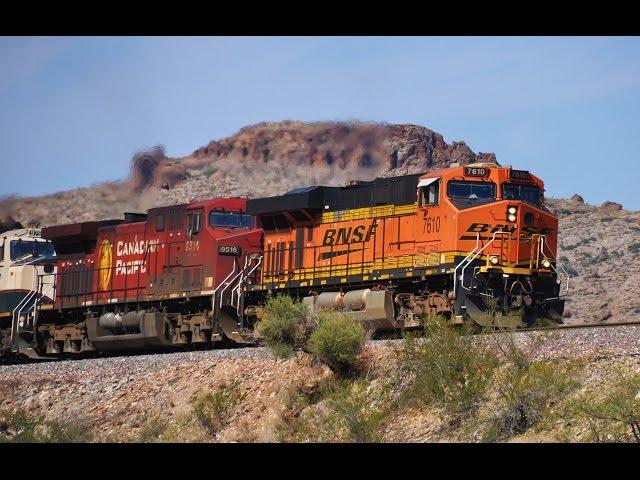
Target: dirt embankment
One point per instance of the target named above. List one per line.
(115, 397)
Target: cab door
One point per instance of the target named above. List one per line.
(430, 222)
(191, 258)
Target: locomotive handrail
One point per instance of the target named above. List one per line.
(15, 314)
(455, 270)
(237, 289)
(476, 256)
(40, 295)
(233, 280)
(215, 290)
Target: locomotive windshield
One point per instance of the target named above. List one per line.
(470, 194)
(526, 193)
(24, 249)
(230, 220)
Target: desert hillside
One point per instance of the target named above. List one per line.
(260, 160)
(599, 244)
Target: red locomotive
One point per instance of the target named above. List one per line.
(166, 278)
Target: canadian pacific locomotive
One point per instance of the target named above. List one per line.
(472, 243)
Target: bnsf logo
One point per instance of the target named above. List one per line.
(343, 236)
(485, 227)
(488, 228)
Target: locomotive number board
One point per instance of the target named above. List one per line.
(519, 174)
(476, 171)
(232, 250)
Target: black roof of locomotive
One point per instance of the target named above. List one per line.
(399, 190)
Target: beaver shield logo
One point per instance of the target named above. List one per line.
(104, 277)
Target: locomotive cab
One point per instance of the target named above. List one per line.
(25, 257)
(496, 216)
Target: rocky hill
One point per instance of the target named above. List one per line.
(599, 244)
(260, 160)
(600, 248)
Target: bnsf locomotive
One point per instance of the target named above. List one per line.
(472, 243)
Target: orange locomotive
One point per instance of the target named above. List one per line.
(469, 241)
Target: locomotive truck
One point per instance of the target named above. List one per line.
(471, 243)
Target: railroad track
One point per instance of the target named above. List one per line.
(397, 336)
(569, 327)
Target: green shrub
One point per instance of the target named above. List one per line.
(447, 367)
(615, 416)
(337, 341)
(524, 391)
(340, 410)
(213, 410)
(66, 432)
(356, 411)
(21, 426)
(209, 170)
(571, 271)
(634, 247)
(152, 428)
(285, 325)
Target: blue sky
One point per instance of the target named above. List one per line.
(74, 110)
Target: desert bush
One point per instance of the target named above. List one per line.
(524, 390)
(356, 410)
(209, 170)
(285, 326)
(447, 368)
(571, 271)
(337, 341)
(213, 410)
(615, 417)
(19, 426)
(340, 410)
(22, 426)
(153, 428)
(66, 432)
(634, 247)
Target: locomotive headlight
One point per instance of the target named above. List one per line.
(512, 217)
(494, 260)
(512, 210)
(546, 263)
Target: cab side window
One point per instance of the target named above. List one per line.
(159, 223)
(194, 222)
(2, 251)
(429, 195)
